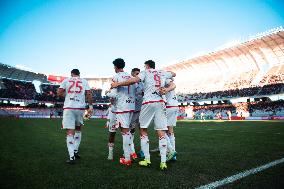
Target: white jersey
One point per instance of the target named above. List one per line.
(75, 88)
(152, 80)
(113, 95)
(110, 113)
(138, 96)
(171, 97)
(125, 98)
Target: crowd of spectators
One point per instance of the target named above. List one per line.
(211, 111)
(246, 92)
(242, 81)
(271, 108)
(48, 93)
(275, 78)
(15, 89)
(255, 109)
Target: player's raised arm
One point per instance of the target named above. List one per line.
(173, 73)
(130, 81)
(112, 93)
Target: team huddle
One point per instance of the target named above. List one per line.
(137, 100)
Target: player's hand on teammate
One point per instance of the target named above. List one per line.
(107, 91)
(88, 113)
(163, 91)
(114, 85)
(90, 110)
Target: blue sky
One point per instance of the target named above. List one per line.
(56, 36)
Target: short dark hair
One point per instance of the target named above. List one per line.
(119, 63)
(151, 63)
(75, 72)
(135, 69)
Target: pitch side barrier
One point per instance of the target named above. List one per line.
(239, 118)
(47, 116)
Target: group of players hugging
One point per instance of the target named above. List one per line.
(137, 100)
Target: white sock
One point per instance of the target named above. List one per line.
(126, 139)
(70, 145)
(173, 141)
(163, 148)
(145, 146)
(110, 149)
(77, 140)
(169, 145)
(132, 144)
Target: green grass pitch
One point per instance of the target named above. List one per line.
(33, 154)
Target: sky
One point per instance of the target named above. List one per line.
(55, 36)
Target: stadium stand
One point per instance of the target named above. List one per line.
(18, 74)
(225, 94)
(253, 69)
(256, 62)
(17, 89)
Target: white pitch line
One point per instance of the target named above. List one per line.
(240, 175)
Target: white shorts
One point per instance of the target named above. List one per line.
(135, 120)
(172, 114)
(112, 126)
(72, 118)
(123, 120)
(153, 111)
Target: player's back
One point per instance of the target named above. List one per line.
(125, 100)
(152, 81)
(171, 96)
(75, 88)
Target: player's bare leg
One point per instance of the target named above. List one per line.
(126, 139)
(171, 136)
(70, 145)
(145, 147)
(111, 140)
(163, 148)
(77, 141)
(132, 148)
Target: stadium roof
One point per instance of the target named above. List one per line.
(267, 49)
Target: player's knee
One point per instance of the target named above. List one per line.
(70, 132)
(161, 133)
(132, 131)
(78, 128)
(112, 134)
(124, 130)
(170, 130)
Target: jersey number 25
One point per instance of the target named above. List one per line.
(76, 86)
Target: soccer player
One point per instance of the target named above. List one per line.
(75, 90)
(229, 115)
(111, 123)
(135, 118)
(202, 116)
(124, 108)
(153, 108)
(219, 116)
(172, 113)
